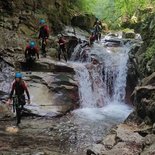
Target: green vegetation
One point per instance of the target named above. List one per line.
(113, 12)
(150, 51)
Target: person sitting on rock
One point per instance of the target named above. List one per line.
(43, 35)
(31, 53)
(19, 87)
(62, 48)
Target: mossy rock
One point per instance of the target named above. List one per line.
(52, 52)
(84, 21)
(128, 33)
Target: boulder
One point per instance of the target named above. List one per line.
(128, 34)
(96, 149)
(123, 148)
(52, 94)
(109, 141)
(150, 150)
(48, 65)
(123, 140)
(84, 21)
(127, 135)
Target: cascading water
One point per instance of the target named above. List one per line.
(105, 82)
(102, 82)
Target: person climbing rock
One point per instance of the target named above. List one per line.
(98, 30)
(17, 95)
(43, 35)
(62, 48)
(31, 53)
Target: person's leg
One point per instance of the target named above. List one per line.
(59, 53)
(43, 47)
(18, 115)
(100, 36)
(28, 63)
(64, 53)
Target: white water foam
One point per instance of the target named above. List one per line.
(103, 86)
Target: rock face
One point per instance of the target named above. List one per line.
(52, 93)
(28, 11)
(144, 99)
(83, 21)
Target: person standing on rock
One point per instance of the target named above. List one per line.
(98, 30)
(17, 94)
(43, 35)
(31, 53)
(62, 48)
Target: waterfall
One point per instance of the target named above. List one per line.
(105, 82)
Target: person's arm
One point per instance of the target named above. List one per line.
(37, 52)
(12, 91)
(26, 50)
(27, 92)
(47, 31)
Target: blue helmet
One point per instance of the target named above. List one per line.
(32, 44)
(18, 75)
(42, 21)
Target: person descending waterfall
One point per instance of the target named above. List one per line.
(62, 48)
(31, 53)
(18, 88)
(98, 30)
(43, 35)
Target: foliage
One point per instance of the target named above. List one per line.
(111, 11)
(150, 51)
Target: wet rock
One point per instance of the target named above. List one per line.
(129, 34)
(48, 65)
(5, 111)
(53, 94)
(149, 150)
(6, 76)
(109, 141)
(96, 149)
(39, 153)
(124, 148)
(125, 141)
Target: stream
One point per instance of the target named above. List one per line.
(102, 91)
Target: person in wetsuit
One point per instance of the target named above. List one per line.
(19, 87)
